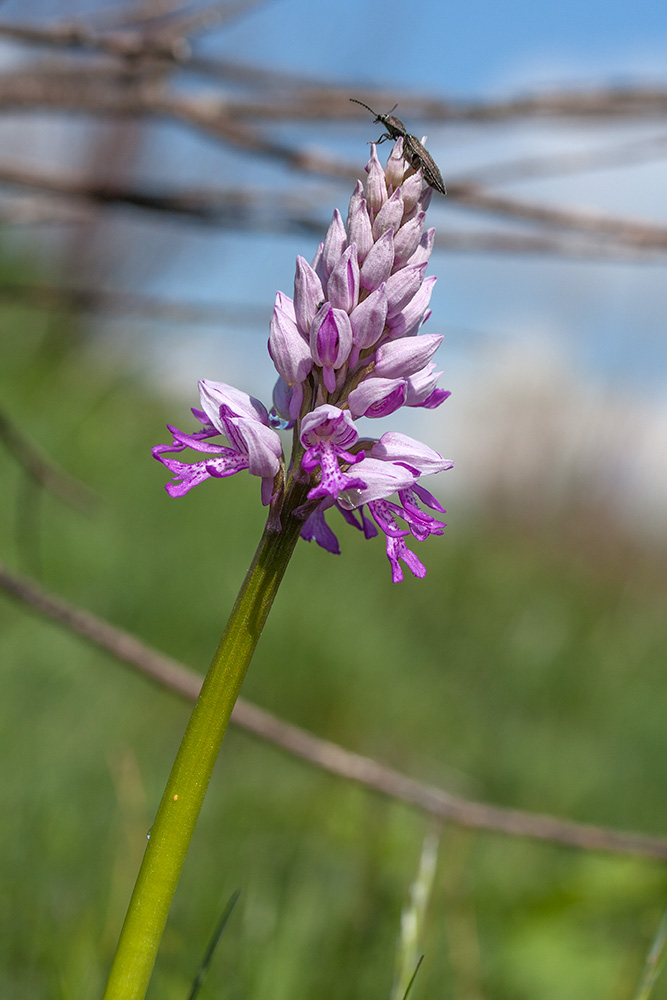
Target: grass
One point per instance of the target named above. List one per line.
(526, 669)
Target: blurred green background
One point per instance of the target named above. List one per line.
(526, 670)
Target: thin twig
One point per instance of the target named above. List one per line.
(210, 17)
(611, 156)
(123, 43)
(44, 471)
(644, 235)
(232, 208)
(323, 753)
(119, 303)
(132, 14)
(169, 42)
(41, 210)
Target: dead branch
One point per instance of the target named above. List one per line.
(120, 303)
(122, 43)
(165, 37)
(611, 156)
(44, 471)
(323, 753)
(40, 211)
(249, 210)
(634, 233)
(168, 42)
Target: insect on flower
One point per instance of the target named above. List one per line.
(414, 151)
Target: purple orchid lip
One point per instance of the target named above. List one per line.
(346, 346)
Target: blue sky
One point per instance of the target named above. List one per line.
(456, 47)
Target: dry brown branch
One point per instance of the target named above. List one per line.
(168, 42)
(323, 753)
(332, 103)
(115, 302)
(123, 43)
(577, 247)
(188, 17)
(131, 13)
(607, 157)
(202, 206)
(214, 116)
(39, 211)
(208, 18)
(236, 208)
(633, 233)
(44, 471)
(249, 209)
(310, 99)
(600, 102)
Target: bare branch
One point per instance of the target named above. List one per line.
(578, 247)
(39, 211)
(193, 204)
(162, 34)
(44, 471)
(247, 209)
(210, 17)
(214, 116)
(115, 302)
(607, 157)
(643, 235)
(168, 42)
(236, 208)
(323, 753)
(187, 17)
(123, 43)
(130, 14)
(598, 102)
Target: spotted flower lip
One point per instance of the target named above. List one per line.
(347, 345)
(327, 433)
(381, 479)
(243, 420)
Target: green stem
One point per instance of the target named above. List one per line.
(183, 797)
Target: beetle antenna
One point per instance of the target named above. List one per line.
(362, 104)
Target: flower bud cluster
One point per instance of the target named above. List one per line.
(349, 335)
(346, 345)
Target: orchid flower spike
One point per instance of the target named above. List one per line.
(346, 345)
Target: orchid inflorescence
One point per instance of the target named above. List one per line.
(346, 346)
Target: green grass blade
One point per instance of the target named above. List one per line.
(213, 944)
(654, 961)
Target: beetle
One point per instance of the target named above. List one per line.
(414, 151)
